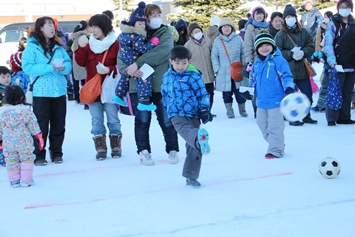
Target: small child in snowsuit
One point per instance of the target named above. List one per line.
(187, 102)
(5, 80)
(17, 126)
(272, 79)
(18, 77)
(132, 46)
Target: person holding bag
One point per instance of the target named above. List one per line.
(88, 54)
(340, 50)
(228, 48)
(296, 44)
(49, 91)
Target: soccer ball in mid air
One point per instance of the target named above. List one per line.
(295, 106)
(329, 168)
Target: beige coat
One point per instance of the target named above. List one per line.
(201, 58)
(319, 37)
(79, 72)
(212, 33)
(249, 38)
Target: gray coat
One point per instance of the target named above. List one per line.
(220, 63)
(79, 72)
(201, 58)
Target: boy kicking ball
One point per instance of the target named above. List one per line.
(187, 102)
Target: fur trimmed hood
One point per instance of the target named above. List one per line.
(125, 28)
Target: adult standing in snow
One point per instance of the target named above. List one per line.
(310, 18)
(275, 24)
(88, 54)
(50, 87)
(212, 31)
(342, 27)
(158, 59)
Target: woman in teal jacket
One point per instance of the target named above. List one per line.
(49, 86)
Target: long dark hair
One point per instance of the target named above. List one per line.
(81, 26)
(37, 33)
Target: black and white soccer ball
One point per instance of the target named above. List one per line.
(329, 168)
(295, 106)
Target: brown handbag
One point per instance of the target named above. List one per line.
(92, 89)
(311, 72)
(236, 67)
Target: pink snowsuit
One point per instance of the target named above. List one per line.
(17, 126)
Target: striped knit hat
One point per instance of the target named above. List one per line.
(16, 62)
(264, 37)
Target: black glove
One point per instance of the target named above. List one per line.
(205, 115)
(247, 95)
(289, 90)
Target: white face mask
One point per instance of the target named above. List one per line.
(291, 21)
(198, 36)
(155, 23)
(344, 12)
(326, 20)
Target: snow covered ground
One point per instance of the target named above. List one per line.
(242, 193)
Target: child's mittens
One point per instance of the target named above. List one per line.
(289, 90)
(155, 41)
(40, 141)
(205, 115)
(83, 40)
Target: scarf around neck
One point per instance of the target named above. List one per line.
(259, 24)
(100, 46)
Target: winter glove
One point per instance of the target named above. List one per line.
(101, 69)
(289, 90)
(155, 41)
(249, 67)
(83, 40)
(247, 95)
(298, 55)
(205, 115)
(40, 141)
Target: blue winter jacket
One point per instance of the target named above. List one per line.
(51, 83)
(22, 79)
(271, 78)
(184, 93)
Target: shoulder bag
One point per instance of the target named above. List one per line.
(92, 89)
(236, 67)
(311, 72)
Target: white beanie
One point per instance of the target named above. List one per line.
(215, 20)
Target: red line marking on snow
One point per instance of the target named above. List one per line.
(148, 192)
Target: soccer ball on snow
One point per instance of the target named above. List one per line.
(295, 106)
(329, 168)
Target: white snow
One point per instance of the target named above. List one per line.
(242, 193)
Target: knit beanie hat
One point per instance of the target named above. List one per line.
(16, 62)
(215, 20)
(264, 37)
(225, 21)
(55, 21)
(193, 26)
(308, 1)
(258, 9)
(350, 2)
(138, 14)
(289, 11)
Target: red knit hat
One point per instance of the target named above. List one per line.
(16, 62)
(55, 21)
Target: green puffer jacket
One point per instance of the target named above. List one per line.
(303, 39)
(157, 58)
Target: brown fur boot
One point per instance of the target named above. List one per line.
(115, 142)
(100, 146)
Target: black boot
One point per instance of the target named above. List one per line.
(296, 123)
(309, 120)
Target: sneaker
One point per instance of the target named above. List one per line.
(119, 101)
(144, 107)
(270, 156)
(193, 183)
(318, 109)
(146, 158)
(331, 123)
(57, 160)
(173, 157)
(15, 183)
(297, 123)
(40, 162)
(202, 138)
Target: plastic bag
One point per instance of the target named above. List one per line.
(108, 88)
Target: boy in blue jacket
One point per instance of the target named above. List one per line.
(272, 79)
(187, 101)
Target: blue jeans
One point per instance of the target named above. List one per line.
(227, 95)
(97, 118)
(142, 125)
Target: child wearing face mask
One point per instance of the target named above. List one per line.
(200, 48)
(132, 46)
